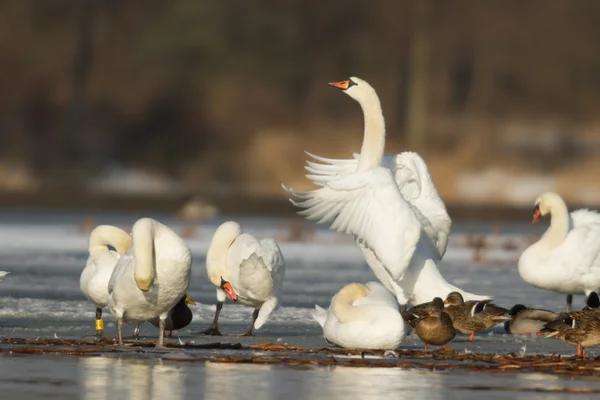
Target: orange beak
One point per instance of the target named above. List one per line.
(229, 290)
(536, 216)
(340, 85)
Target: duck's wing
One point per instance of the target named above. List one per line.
(538, 315)
(369, 206)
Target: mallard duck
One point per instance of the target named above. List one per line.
(525, 321)
(435, 326)
(179, 317)
(473, 316)
(587, 335)
(411, 316)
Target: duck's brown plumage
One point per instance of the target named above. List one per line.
(473, 316)
(584, 336)
(435, 327)
(412, 316)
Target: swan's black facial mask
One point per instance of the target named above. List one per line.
(344, 85)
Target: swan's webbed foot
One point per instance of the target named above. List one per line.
(212, 330)
(249, 331)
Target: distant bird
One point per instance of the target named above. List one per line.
(362, 316)
(473, 316)
(567, 257)
(100, 265)
(151, 277)
(3, 275)
(525, 321)
(247, 270)
(179, 317)
(435, 327)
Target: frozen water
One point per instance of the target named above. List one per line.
(45, 254)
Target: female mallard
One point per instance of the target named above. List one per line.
(473, 316)
(179, 317)
(525, 321)
(412, 316)
(584, 335)
(435, 326)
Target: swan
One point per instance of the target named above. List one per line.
(94, 278)
(246, 270)
(3, 275)
(362, 316)
(566, 259)
(151, 277)
(412, 177)
(365, 201)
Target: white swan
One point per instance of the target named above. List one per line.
(151, 277)
(415, 183)
(367, 203)
(362, 316)
(3, 275)
(100, 265)
(246, 270)
(566, 259)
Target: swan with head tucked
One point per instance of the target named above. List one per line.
(566, 259)
(365, 201)
(100, 265)
(151, 277)
(412, 177)
(362, 316)
(247, 270)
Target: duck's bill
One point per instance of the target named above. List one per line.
(188, 300)
(230, 292)
(340, 85)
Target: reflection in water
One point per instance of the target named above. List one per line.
(108, 378)
(371, 383)
(234, 382)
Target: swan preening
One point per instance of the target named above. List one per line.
(362, 197)
(151, 277)
(566, 259)
(245, 270)
(362, 316)
(100, 265)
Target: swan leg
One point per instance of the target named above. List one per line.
(170, 335)
(136, 332)
(569, 302)
(472, 338)
(120, 330)
(99, 324)
(425, 349)
(249, 331)
(213, 329)
(160, 342)
(579, 349)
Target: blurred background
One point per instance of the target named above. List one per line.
(130, 104)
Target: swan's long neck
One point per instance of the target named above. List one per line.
(560, 225)
(216, 257)
(105, 235)
(373, 144)
(343, 307)
(143, 233)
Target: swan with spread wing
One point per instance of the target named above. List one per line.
(364, 200)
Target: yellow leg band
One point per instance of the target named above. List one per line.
(99, 325)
